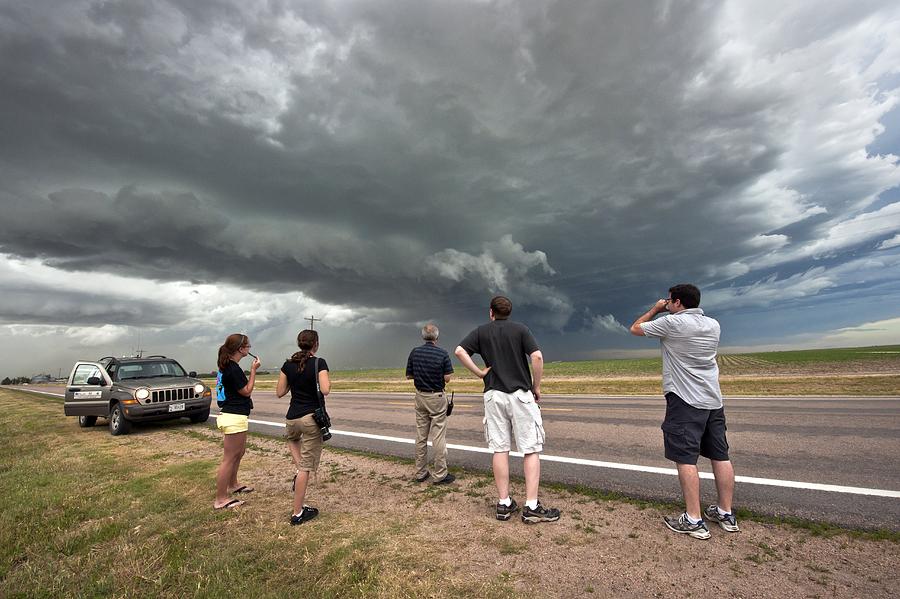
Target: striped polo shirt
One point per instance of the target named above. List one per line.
(427, 365)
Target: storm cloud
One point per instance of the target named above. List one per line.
(402, 161)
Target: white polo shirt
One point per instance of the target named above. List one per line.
(689, 342)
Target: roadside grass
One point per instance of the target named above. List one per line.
(94, 515)
(87, 514)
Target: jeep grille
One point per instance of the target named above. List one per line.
(178, 394)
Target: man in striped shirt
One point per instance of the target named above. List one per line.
(429, 367)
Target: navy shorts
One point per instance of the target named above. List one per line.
(690, 432)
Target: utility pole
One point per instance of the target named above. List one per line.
(312, 320)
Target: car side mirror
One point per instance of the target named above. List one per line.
(193, 374)
(95, 380)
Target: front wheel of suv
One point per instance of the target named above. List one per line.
(200, 416)
(87, 421)
(118, 425)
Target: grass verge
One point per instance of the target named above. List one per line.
(86, 514)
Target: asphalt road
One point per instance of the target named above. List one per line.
(845, 442)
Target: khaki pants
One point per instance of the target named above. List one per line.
(431, 417)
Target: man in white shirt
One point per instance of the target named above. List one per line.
(695, 416)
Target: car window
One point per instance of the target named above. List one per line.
(171, 369)
(83, 372)
(131, 371)
(145, 370)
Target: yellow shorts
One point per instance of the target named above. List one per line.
(232, 423)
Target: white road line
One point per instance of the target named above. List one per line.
(752, 480)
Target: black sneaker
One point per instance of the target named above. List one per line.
(682, 526)
(305, 515)
(539, 514)
(446, 480)
(727, 522)
(505, 512)
(422, 477)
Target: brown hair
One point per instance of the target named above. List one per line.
(501, 307)
(687, 293)
(307, 340)
(233, 343)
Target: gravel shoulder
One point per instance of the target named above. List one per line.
(599, 547)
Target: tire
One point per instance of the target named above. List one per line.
(118, 425)
(87, 421)
(199, 417)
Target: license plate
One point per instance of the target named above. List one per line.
(176, 407)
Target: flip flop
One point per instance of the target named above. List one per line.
(231, 504)
(243, 489)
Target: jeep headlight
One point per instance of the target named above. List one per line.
(198, 388)
(141, 393)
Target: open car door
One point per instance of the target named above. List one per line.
(88, 390)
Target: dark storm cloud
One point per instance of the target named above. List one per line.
(46, 305)
(415, 157)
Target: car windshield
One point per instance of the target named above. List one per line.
(149, 370)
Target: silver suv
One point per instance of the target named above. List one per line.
(137, 389)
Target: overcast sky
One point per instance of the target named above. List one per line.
(172, 171)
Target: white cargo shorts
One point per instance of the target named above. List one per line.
(512, 413)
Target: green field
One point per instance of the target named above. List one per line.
(846, 360)
(840, 371)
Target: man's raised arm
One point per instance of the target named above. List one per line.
(659, 306)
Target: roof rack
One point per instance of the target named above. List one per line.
(156, 356)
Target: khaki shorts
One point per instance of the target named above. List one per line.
(305, 431)
(232, 423)
(512, 413)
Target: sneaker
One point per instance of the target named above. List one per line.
(307, 514)
(446, 480)
(539, 514)
(421, 478)
(505, 512)
(727, 522)
(682, 526)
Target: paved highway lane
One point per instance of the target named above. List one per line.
(846, 442)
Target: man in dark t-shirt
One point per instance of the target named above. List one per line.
(511, 394)
(429, 367)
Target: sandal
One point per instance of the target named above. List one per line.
(231, 504)
(243, 489)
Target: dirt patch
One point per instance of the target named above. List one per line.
(599, 548)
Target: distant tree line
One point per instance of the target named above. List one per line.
(16, 381)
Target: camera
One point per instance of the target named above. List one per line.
(323, 421)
